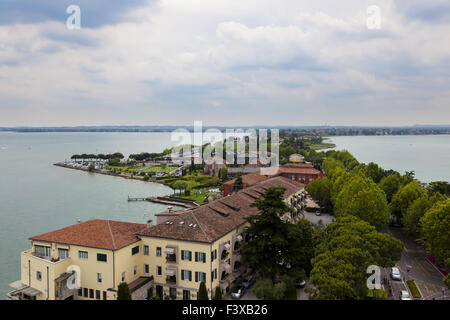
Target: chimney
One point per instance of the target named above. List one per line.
(149, 223)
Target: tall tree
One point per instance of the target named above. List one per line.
(202, 292)
(435, 226)
(320, 190)
(123, 292)
(404, 197)
(390, 185)
(361, 197)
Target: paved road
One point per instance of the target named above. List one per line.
(426, 276)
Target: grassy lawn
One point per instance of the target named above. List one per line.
(413, 288)
(377, 294)
(321, 146)
(138, 169)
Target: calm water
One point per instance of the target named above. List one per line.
(428, 155)
(37, 197)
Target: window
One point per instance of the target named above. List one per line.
(135, 270)
(186, 255)
(91, 293)
(123, 276)
(158, 251)
(186, 275)
(104, 295)
(63, 253)
(134, 250)
(80, 292)
(186, 295)
(101, 257)
(85, 292)
(214, 274)
(146, 269)
(158, 270)
(42, 251)
(173, 293)
(200, 276)
(38, 275)
(97, 294)
(214, 255)
(146, 250)
(83, 255)
(99, 278)
(200, 257)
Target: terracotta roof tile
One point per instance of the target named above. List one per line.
(103, 234)
(212, 221)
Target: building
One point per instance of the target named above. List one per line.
(301, 172)
(296, 158)
(105, 253)
(167, 259)
(247, 181)
(214, 165)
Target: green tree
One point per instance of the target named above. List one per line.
(320, 190)
(123, 292)
(218, 293)
(374, 172)
(263, 289)
(390, 185)
(404, 197)
(268, 248)
(179, 185)
(442, 187)
(435, 225)
(348, 247)
(413, 215)
(202, 292)
(279, 291)
(91, 168)
(238, 185)
(361, 197)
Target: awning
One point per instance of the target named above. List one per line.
(64, 276)
(171, 272)
(169, 250)
(31, 292)
(227, 246)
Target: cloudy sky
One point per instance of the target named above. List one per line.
(225, 62)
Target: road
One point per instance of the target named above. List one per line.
(426, 276)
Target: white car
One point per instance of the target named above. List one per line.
(395, 274)
(404, 295)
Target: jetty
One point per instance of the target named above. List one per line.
(166, 200)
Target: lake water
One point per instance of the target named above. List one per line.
(427, 155)
(37, 197)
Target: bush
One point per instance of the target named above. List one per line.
(218, 293)
(123, 292)
(413, 288)
(202, 292)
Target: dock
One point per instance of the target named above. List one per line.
(136, 199)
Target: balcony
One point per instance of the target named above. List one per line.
(171, 255)
(22, 292)
(171, 275)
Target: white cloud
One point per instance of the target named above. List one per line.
(189, 59)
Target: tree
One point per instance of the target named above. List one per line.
(390, 185)
(320, 190)
(179, 185)
(374, 172)
(123, 292)
(361, 197)
(91, 168)
(238, 185)
(404, 197)
(202, 292)
(442, 187)
(263, 289)
(218, 293)
(413, 215)
(349, 246)
(435, 225)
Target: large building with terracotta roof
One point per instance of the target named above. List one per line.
(168, 259)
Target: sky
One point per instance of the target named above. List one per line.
(225, 62)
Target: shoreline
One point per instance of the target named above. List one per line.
(62, 165)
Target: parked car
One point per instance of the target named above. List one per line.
(238, 292)
(395, 274)
(317, 213)
(248, 281)
(404, 295)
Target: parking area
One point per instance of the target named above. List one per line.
(313, 218)
(248, 295)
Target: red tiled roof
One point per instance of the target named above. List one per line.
(217, 218)
(103, 234)
(249, 179)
